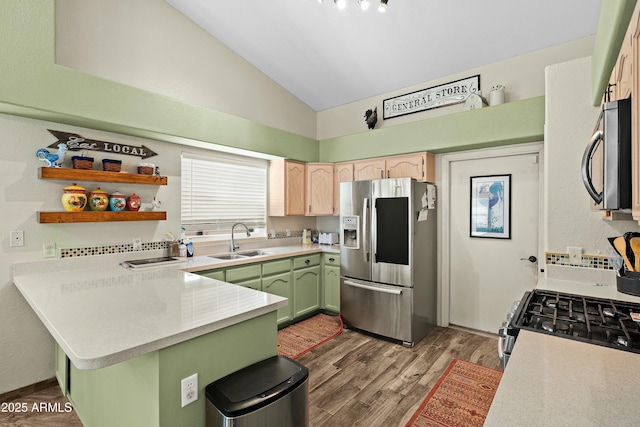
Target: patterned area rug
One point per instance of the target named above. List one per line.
(461, 397)
(304, 336)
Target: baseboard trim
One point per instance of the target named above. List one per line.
(27, 390)
(473, 331)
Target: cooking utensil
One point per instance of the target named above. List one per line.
(627, 239)
(621, 247)
(634, 243)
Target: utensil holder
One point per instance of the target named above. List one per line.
(629, 284)
(173, 248)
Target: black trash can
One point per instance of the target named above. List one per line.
(270, 393)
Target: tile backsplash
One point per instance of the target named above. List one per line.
(109, 249)
(600, 262)
(150, 246)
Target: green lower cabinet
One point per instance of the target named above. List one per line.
(249, 276)
(214, 274)
(310, 283)
(145, 391)
(280, 284)
(306, 291)
(331, 287)
(330, 295)
(253, 284)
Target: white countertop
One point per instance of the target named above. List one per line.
(101, 313)
(555, 381)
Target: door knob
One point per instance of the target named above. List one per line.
(530, 259)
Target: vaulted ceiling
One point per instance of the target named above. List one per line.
(328, 56)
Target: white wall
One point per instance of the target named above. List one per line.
(523, 77)
(150, 45)
(570, 120)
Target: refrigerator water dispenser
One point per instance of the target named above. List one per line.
(350, 225)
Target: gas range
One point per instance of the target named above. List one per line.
(600, 321)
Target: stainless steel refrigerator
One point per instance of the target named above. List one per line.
(388, 257)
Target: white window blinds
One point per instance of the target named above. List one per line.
(222, 189)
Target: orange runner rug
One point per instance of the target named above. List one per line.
(304, 336)
(461, 397)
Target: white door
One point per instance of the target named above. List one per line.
(486, 275)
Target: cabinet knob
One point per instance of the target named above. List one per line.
(332, 259)
(306, 261)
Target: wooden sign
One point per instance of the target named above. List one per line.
(76, 142)
(433, 97)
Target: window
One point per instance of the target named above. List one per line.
(221, 189)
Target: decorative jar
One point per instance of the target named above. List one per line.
(117, 202)
(74, 198)
(98, 200)
(133, 202)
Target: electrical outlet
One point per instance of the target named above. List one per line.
(575, 255)
(189, 389)
(49, 250)
(137, 244)
(16, 238)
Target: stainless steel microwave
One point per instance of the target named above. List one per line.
(606, 163)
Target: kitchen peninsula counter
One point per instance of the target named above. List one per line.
(131, 335)
(87, 304)
(102, 316)
(555, 381)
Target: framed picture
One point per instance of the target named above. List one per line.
(491, 206)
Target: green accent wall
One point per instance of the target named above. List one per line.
(145, 391)
(32, 85)
(612, 27)
(510, 123)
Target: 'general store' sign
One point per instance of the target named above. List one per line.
(433, 97)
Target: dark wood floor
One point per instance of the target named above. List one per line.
(354, 379)
(358, 380)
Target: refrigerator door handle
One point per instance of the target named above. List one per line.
(365, 228)
(374, 288)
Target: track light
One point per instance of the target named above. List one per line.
(364, 4)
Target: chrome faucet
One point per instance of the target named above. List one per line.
(233, 242)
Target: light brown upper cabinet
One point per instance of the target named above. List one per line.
(342, 172)
(319, 189)
(286, 188)
(625, 78)
(313, 189)
(633, 34)
(420, 166)
(364, 170)
(621, 77)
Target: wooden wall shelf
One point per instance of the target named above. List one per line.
(101, 176)
(92, 216)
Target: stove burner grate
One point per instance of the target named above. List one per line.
(592, 320)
